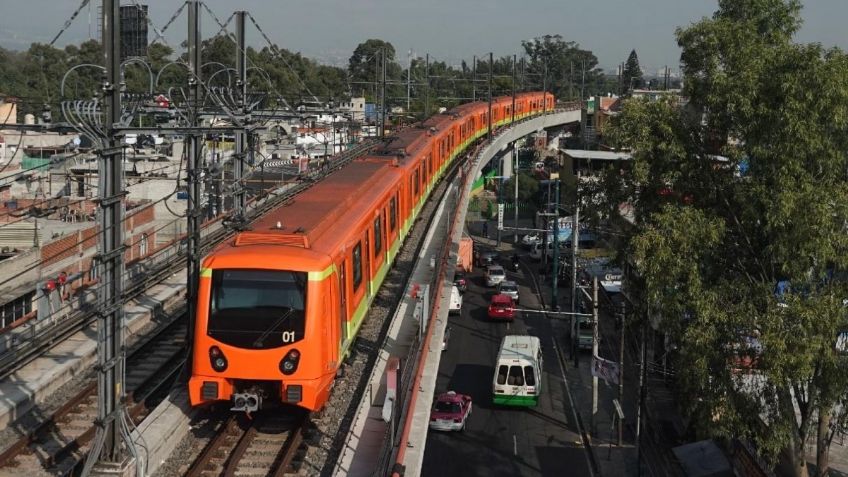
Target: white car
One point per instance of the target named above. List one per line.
(494, 275)
(531, 239)
(509, 288)
(455, 301)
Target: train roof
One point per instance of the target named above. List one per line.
(311, 222)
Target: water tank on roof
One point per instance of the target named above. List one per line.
(29, 119)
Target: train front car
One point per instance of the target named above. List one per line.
(258, 304)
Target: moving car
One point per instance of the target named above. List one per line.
(450, 412)
(502, 307)
(455, 301)
(494, 275)
(531, 239)
(509, 287)
(485, 259)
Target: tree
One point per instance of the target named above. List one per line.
(528, 188)
(364, 62)
(710, 246)
(631, 77)
(567, 67)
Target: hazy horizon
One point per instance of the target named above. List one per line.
(329, 30)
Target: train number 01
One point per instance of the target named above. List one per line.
(288, 336)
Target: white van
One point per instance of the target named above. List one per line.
(455, 301)
(518, 372)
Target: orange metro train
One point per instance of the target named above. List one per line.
(280, 304)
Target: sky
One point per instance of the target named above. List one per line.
(449, 30)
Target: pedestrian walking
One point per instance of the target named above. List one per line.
(486, 229)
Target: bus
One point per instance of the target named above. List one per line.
(518, 372)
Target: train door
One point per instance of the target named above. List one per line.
(343, 301)
(367, 265)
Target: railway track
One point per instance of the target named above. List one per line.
(58, 445)
(265, 445)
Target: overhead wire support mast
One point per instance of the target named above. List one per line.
(491, 72)
(241, 136)
(112, 440)
(194, 151)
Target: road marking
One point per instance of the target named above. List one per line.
(514, 445)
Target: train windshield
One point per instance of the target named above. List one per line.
(257, 309)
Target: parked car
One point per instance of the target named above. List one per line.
(455, 301)
(460, 281)
(494, 275)
(450, 412)
(502, 307)
(509, 287)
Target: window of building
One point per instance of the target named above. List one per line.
(93, 273)
(357, 266)
(142, 245)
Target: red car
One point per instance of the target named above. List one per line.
(450, 412)
(502, 307)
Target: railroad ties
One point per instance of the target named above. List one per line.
(265, 444)
(59, 444)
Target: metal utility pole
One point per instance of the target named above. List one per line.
(575, 245)
(515, 180)
(571, 81)
(112, 438)
(408, 78)
(491, 77)
(643, 373)
(555, 281)
(545, 89)
(500, 196)
(383, 98)
(594, 352)
(241, 136)
(582, 79)
(513, 91)
(427, 86)
(195, 152)
(474, 80)
(621, 370)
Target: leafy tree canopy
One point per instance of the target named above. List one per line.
(710, 243)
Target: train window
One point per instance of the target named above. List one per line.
(416, 179)
(502, 372)
(273, 300)
(529, 376)
(378, 236)
(357, 265)
(430, 165)
(393, 213)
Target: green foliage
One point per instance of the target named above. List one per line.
(710, 245)
(631, 77)
(565, 62)
(528, 188)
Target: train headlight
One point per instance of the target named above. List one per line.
(217, 359)
(288, 365)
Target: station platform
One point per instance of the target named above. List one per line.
(25, 389)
